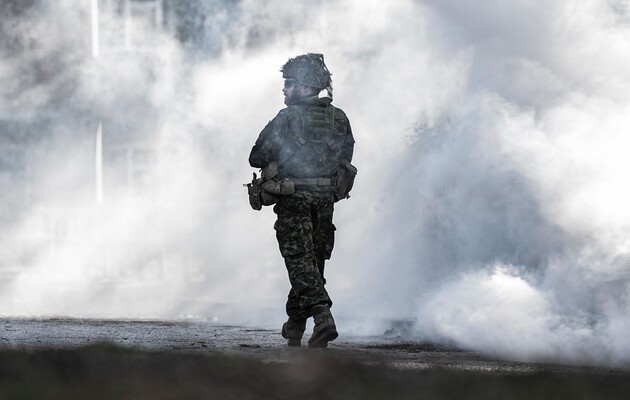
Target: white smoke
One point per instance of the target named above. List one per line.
(532, 161)
(489, 206)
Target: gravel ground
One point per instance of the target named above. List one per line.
(75, 358)
(264, 344)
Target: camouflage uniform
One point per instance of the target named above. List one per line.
(312, 136)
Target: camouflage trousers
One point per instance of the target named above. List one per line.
(306, 236)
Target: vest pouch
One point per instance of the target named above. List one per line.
(279, 188)
(253, 191)
(346, 173)
(268, 199)
(258, 197)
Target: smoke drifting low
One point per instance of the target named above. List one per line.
(489, 207)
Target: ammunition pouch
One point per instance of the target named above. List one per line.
(264, 191)
(257, 196)
(276, 187)
(346, 173)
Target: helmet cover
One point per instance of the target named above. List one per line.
(309, 70)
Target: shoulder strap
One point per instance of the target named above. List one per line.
(301, 141)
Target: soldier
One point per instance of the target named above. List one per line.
(305, 145)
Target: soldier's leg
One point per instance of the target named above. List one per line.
(294, 328)
(294, 231)
(320, 267)
(323, 234)
(293, 306)
(324, 330)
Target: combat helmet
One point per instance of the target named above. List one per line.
(309, 70)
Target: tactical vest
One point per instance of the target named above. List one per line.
(316, 149)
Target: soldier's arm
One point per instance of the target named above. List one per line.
(263, 151)
(347, 150)
(271, 140)
(257, 156)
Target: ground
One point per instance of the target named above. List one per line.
(75, 358)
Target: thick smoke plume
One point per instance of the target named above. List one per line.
(490, 206)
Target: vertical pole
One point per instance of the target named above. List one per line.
(96, 37)
(99, 163)
(98, 150)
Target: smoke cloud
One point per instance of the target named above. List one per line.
(489, 209)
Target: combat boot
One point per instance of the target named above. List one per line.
(293, 330)
(325, 330)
